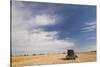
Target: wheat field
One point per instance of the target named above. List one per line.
(19, 61)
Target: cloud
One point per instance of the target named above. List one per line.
(31, 16)
(91, 38)
(89, 27)
(41, 42)
(28, 37)
(44, 19)
(29, 28)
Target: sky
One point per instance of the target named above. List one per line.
(52, 28)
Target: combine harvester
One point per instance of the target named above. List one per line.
(72, 56)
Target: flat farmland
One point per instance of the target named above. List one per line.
(19, 61)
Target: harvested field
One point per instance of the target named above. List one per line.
(18, 61)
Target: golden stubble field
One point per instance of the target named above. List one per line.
(20, 61)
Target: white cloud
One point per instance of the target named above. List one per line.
(91, 23)
(41, 42)
(30, 17)
(91, 38)
(89, 26)
(44, 19)
(35, 41)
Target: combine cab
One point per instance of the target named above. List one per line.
(71, 55)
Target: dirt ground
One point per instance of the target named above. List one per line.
(19, 61)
